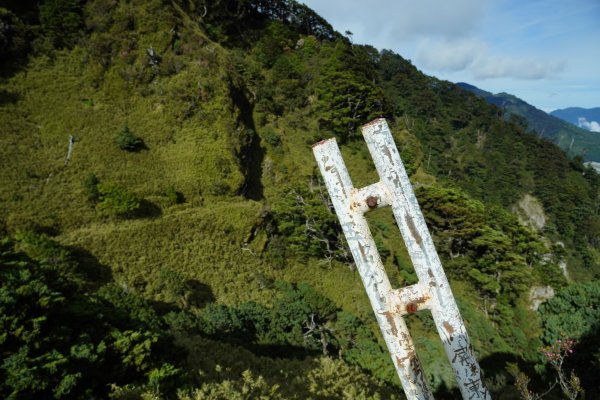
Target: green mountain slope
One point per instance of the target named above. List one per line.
(573, 140)
(186, 224)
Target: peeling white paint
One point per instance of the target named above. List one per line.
(432, 292)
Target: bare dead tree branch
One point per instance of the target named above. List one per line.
(70, 150)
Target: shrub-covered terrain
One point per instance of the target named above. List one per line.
(166, 233)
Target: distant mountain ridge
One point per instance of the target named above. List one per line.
(586, 118)
(572, 139)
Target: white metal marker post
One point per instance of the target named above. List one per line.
(432, 292)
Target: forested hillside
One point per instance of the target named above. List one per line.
(574, 140)
(166, 234)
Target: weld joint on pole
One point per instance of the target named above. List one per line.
(369, 198)
(409, 299)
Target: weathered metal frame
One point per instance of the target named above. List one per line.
(432, 292)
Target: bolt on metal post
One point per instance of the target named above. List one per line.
(432, 292)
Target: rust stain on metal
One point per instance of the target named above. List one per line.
(400, 361)
(374, 122)
(413, 229)
(423, 299)
(321, 142)
(390, 319)
(410, 357)
(411, 308)
(372, 201)
(448, 328)
(409, 344)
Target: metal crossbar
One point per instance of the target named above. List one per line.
(432, 292)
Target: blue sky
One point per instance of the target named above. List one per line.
(546, 52)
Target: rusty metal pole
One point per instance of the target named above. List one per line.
(431, 292)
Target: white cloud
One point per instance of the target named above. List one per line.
(589, 125)
(385, 23)
(449, 55)
(473, 55)
(432, 17)
(517, 68)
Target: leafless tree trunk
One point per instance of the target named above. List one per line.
(70, 151)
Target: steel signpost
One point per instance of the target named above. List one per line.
(432, 292)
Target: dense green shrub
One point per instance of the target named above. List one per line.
(90, 184)
(174, 196)
(127, 141)
(13, 36)
(60, 340)
(220, 188)
(116, 201)
(62, 21)
(308, 226)
(573, 311)
(574, 314)
(272, 138)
